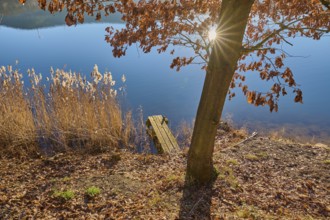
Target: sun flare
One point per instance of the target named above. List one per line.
(212, 34)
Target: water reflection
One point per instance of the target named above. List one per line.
(150, 81)
(30, 16)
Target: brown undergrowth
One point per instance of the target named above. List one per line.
(259, 178)
(63, 111)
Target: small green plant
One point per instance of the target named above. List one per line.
(227, 174)
(262, 154)
(93, 191)
(174, 178)
(232, 162)
(252, 157)
(66, 195)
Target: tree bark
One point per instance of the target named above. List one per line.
(226, 49)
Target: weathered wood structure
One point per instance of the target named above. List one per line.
(160, 133)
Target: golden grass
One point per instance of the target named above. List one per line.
(70, 113)
(17, 128)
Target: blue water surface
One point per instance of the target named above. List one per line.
(161, 90)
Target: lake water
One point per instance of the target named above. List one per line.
(40, 40)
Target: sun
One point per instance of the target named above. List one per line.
(212, 34)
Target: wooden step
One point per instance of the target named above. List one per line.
(160, 133)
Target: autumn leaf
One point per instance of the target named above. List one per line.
(98, 16)
(251, 97)
(70, 20)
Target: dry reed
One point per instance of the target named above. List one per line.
(69, 112)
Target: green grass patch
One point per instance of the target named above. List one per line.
(262, 154)
(252, 157)
(93, 191)
(232, 162)
(66, 195)
(227, 174)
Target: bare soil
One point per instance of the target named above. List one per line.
(260, 178)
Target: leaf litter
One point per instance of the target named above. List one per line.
(259, 178)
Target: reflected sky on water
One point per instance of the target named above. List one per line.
(40, 40)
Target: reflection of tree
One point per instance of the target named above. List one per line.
(10, 7)
(77, 9)
(29, 15)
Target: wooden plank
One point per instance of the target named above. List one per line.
(155, 131)
(161, 128)
(162, 133)
(165, 145)
(158, 133)
(169, 136)
(174, 143)
(164, 130)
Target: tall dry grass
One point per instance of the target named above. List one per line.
(69, 112)
(17, 130)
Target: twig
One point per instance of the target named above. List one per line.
(246, 139)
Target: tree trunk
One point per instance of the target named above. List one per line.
(225, 53)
